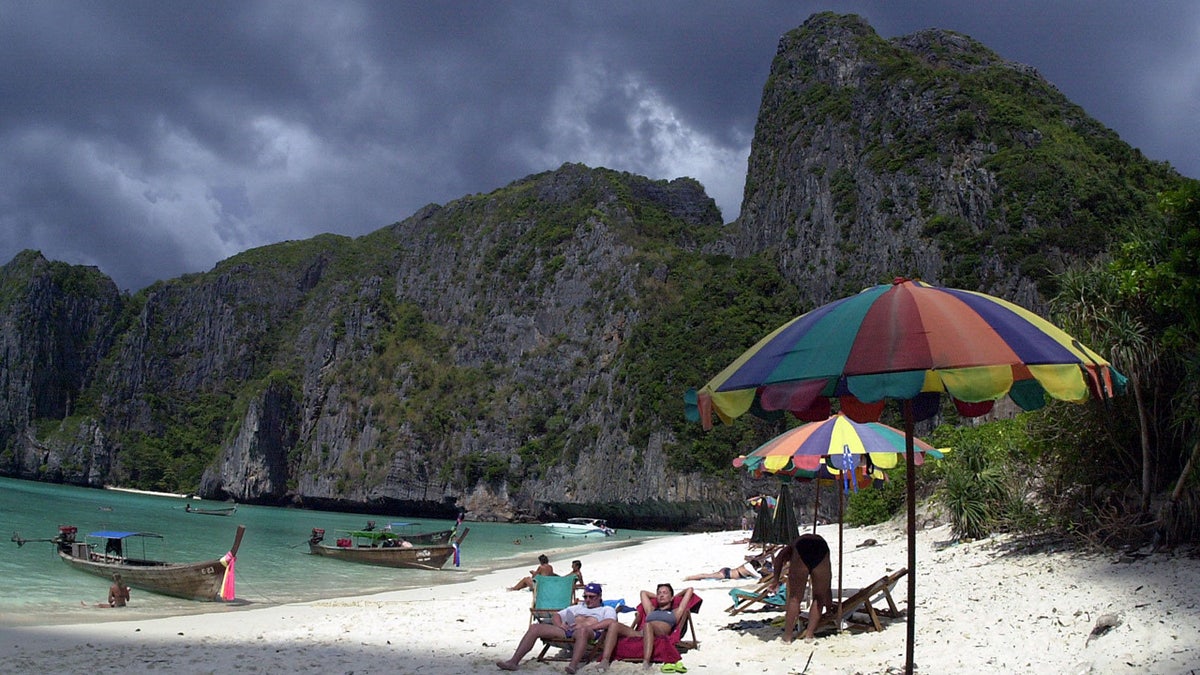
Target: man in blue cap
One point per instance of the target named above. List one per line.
(586, 621)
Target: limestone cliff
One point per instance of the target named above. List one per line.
(524, 351)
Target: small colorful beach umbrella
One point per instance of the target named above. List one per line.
(911, 342)
(804, 446)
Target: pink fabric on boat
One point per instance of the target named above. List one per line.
(665, 650)
(229, 581)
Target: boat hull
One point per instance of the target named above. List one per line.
(419, 556)
(571, 530)
(190, 581)
(426, 538)
(215, 512)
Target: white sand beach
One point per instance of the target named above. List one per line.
(983, 606)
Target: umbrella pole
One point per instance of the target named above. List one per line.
(910, 474)
(841, 558)
(816, 504)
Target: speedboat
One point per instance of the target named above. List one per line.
(581, 527)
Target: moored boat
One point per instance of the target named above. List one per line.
(406, 532)
(581, 527)
(219, 511)
(386, 549)
(205, 580)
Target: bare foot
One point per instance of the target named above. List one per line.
(506, 665)
(571, 670)
(603, 666)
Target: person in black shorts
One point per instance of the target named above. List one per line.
(809, 559)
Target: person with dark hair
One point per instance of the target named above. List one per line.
(583, 622)
(754, 567)
(544, 568)
(577, 572)
(806, 558)
(662, 615)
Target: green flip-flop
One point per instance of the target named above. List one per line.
(674, 667)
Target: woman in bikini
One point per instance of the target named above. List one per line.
(753, 568)
(662, 615)
(809, 558)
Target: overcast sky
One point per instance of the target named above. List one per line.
(153, 139)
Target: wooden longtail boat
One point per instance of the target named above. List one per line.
(220, 511)
(204, 580)
(385, 549)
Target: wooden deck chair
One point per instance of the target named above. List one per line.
(864, 601)
(745, 599)
(667, 648)
(566, 645)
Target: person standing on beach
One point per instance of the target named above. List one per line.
(544, 568)
(583, 622)
(809, 559)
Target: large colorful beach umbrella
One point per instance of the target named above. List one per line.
(911, 342)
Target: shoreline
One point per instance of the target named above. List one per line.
(981, 606)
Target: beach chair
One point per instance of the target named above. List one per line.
(667, 648)
(859, 611)
(550, 594)
(745, 599)
(566, 645)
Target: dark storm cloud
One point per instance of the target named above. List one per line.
(155, 138)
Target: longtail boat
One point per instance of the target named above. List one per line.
(219, 511)
(386, 549)
(206, 580)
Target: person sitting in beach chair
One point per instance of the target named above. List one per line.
(658, 633)
(582, 623)
(806, 558)
(754, 567)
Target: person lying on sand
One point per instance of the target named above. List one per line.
(753, 568)
(586, 621)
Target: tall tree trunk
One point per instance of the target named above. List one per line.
(1144, 436)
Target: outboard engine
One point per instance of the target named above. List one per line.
(318, 534)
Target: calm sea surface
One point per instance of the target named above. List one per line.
(273, 564)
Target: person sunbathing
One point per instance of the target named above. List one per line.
(588, 620)
(661, 619)
(753, 568)
(809, 558)
(544, 568)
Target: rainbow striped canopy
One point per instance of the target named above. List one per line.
(803, 450)
(902, 341)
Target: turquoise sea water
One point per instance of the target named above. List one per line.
(273, 565)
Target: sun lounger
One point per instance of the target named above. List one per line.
(745, 599)
(863, 602)
(565, 645)
(667, 648)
